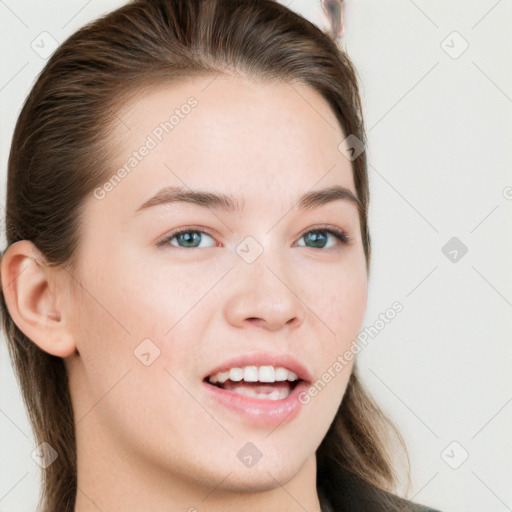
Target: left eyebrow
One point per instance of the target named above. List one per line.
(323, 196)
(309, 200)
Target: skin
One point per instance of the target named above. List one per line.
(147, 436)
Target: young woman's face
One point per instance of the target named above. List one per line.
(259, 277)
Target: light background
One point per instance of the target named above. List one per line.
(439, 128)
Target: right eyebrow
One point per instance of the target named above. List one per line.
(170, 195)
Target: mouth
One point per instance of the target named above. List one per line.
(262, 389)
(263, 404)
(265, 376)
(277, 390)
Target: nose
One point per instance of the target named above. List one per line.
(265, 295)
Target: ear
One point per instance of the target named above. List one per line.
(33, 293)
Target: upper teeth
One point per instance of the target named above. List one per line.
(254, 374)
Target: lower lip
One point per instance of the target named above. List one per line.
(259, 411)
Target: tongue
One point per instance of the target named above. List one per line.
(270, 390)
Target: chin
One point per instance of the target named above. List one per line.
(263, 480)
(264, 475)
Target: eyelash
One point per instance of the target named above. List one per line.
(340, 235)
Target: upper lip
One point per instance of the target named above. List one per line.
(265, 359)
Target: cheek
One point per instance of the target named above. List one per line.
(133, 313)
(128, 365)
(339, 299)
(340, 304)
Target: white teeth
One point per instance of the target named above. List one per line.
(222, 377)
(277, 394)
(251, 374)
(292, 376)
(267, 374)
(254, 374)
(281, 374)
(236, 374)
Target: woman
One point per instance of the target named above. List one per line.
(188, 255)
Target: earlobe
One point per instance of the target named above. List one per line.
(31, 292)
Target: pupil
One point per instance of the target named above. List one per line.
(318, 238)
(188, 238)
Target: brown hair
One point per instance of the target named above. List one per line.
(59, 156)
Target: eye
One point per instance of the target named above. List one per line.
(319, 238)
(193, 238)
(186, 238)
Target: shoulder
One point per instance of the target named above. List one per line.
(409, 506)
(392, 503)
(422, 508)
(354, 495)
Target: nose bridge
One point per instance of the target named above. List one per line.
(264, 292)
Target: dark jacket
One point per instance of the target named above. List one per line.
(354, 495)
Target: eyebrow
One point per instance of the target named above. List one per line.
(309, 200)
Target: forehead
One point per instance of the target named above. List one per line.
(291, 118)
(250, 137)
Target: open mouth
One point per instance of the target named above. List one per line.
(261, 390)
